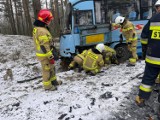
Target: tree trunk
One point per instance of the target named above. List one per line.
(62, 16)
(27, 17)
(36, 7)
(13, 20)
(17, 20)
(56, 19)
(9, 13)
(22, 28)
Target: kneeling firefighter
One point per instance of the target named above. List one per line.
(43, 40)
(109, 56)
(93, 59)
(77, 61)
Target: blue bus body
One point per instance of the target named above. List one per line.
(92, 30)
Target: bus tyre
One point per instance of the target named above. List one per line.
(122, 52)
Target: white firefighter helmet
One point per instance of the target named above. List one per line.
(100, 47)
(119, 19)
(157, 3)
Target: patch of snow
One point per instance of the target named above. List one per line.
(80, 97)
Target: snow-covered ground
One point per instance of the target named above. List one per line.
(107, 96)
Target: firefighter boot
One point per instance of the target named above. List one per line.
(52, 88)
(56, 82)
(140, 101)
(132, 62)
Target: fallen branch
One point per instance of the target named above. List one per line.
(132, 78)
(136, 76)
(27, 80)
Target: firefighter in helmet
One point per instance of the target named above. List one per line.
(151, 39)
(77, 61)
(109, 56)
(129, 32)
(93, 59)
(43, 40)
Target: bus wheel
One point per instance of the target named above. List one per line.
(122, 52)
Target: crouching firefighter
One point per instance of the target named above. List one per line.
(42, 40)
(77, 61)
(152, 68)
(109, 56)
(93, 59)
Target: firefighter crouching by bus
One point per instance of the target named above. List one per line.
(93, 59)
(152, 68)
(77, 61)
(129, 32)
(42, 40)
(109, 56)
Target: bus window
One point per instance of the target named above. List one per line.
(146, 9)
(127, 8)
(101, 11)
(83, 17)
(153, 8)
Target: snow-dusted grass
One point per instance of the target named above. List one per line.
(80, 97)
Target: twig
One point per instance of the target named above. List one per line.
(27, 80)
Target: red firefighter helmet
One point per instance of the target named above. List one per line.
(45, 16)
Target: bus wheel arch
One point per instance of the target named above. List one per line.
(122, 52)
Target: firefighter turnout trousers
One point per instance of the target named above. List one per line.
(48, 73)
(148, 80)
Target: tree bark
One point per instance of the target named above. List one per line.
(56, 19)
(36, 7)
(10, 15)
(27, 17)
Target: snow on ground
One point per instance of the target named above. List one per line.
(80, 97)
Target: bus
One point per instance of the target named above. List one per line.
(89, 22)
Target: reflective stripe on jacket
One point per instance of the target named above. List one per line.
(92, 61)
(108, 49)
(152, 32)
(129, 31)
(42, 39)
(144, 35)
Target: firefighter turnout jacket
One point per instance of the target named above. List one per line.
(109, 55)
(144, 40)
(129, 31)
(77, 60)
(151, 38)
(92, 61)
(42, 39)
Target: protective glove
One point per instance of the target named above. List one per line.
(51, 61)
(55, 53)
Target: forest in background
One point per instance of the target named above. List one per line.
(17, 16)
